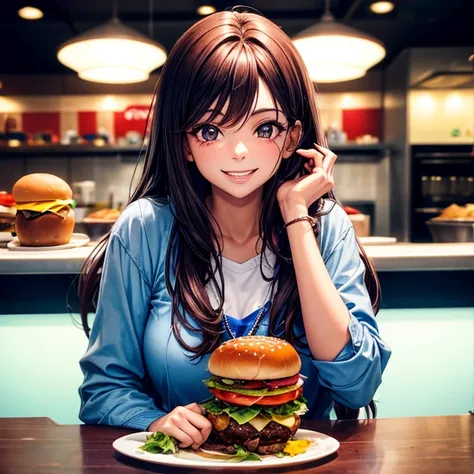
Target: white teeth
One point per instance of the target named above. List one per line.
(240, 174)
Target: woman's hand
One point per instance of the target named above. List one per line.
(295, 196)
(187, 424)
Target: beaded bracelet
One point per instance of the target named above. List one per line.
(311, 220)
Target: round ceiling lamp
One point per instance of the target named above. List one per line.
(30, 13)
(205, 10)
(334, 52)
(382, 7)
(113, 54)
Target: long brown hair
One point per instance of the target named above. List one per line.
(220, 58)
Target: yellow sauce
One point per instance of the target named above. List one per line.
(296, 446)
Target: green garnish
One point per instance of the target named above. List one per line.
(243, 455)
(160, 443)
(243, 414)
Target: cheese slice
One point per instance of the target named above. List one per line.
(259, 422)
(44, 206)
(288, 421)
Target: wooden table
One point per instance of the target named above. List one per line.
(428, 445)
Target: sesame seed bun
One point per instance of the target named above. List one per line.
(255, 358)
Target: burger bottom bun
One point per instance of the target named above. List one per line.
(44, 231)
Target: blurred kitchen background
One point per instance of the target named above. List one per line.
(398, 109)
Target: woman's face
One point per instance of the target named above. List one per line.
(241, 159)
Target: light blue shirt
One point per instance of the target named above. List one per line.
(135, 371)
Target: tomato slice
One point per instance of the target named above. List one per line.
(272, 384)
(235, 398)
(247, 400)
(281, 399)
(251, 385)
(6, 199)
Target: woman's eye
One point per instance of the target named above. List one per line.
(207, 133)
(268, 130)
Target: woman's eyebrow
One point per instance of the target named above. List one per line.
(259, 111)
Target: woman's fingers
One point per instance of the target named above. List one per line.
(177, 432)
(329, 158)
(196, 417)
(192, 432)
(185, 432)
(320, 158)
(202, 423)
(314, 156)
(194, 407)
(187, 424)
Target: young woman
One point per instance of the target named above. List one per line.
(231, 231)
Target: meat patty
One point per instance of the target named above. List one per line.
(274, 432)
(270, 448)
(263, 449)
(211, 445)
(235, 433)
(270, 440)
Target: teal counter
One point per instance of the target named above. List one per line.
(427, 318)
(430, 372)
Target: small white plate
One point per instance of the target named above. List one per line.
(6, 236)
(373, 240)
(77, 240)
(323, 446)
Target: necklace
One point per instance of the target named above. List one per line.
(254, 327)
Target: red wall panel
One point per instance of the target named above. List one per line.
(87, 122)
(34, 122)
(132, 118)
(358, 122)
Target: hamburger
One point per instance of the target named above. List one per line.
(257, 395)
(45, 214)
(7, 212)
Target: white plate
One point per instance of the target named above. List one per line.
(6, 236)
(77, 240)
(373, 240)
(324, 446)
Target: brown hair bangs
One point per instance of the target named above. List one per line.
(226, 71)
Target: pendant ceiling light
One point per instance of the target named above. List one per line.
(334, 52)
(113, 53)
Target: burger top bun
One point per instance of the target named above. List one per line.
(40, 187)
(254, 358)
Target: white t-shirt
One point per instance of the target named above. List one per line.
(245, 290)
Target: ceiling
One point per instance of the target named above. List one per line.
(29, 47)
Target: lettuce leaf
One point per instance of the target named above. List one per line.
(297, 407)
(240, 414)
(160, 443)
(244, 414)
(243, 455)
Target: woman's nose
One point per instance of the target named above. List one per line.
(240, 151)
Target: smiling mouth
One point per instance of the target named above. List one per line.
(240, 174)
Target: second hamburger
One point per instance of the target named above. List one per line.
(257, 392)
(45, 214)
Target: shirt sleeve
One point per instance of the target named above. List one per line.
(113, 390)
(354, 375)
